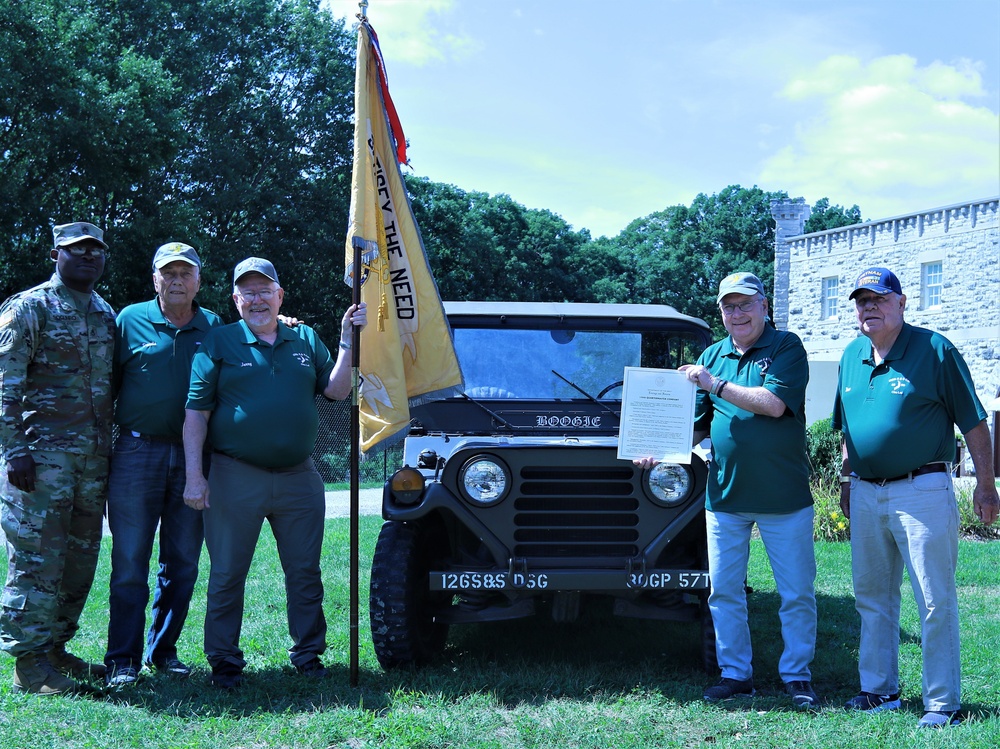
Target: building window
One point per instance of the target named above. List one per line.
(830, 297)
(931, 283)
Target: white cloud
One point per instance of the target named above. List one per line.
(411, 28)
(888, 132)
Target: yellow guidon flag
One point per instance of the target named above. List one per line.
(407, 354)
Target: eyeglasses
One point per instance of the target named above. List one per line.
(77, 251)
(265, 295)
(730, 309)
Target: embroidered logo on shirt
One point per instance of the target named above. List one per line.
(247, 364)
(303, 359)
(898, 384)
(764, 364)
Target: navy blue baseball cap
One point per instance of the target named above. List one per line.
(877, 280)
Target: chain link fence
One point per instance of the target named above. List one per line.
(332, 454)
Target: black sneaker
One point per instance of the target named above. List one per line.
(868, 702)
(729, 688)
(227, 676)
(802, 694)
(172, 666)
(940, 719)
(314, 669)
(118, 677)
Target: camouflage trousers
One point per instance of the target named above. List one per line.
(53, 539)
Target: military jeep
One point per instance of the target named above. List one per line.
(512, 499)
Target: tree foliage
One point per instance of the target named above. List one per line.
(227, 124)
(492, 248)
(223, 123)
(825, 216)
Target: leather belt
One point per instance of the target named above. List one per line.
(922, 471)
(157, 438)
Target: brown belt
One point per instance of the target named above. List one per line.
(923, 470)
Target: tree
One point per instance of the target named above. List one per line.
(825, 216)
(226, 124)
(491, 248)
(680, 254)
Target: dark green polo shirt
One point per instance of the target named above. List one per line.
(901, 414)
(760, 463)
(262, 397)
(153, 367)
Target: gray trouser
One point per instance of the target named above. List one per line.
(241, 497)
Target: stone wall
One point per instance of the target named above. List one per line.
(964, 237)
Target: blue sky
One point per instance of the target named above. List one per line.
(606, 112)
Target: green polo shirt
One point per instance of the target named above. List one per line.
(262, 397)
(153, 367)
(901, 414)
(760, 463)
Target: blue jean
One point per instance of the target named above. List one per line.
(788, 540)
(913, 524)
(146, 488)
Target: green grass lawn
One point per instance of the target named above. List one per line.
(602, 682)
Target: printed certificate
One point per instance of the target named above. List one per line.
(657, 415)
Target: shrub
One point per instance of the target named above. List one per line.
(823, 446)
(829, 523)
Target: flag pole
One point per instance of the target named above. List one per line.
(355, 450)
(355, 468)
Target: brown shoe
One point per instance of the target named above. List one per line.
(34, 674)
(67, 663)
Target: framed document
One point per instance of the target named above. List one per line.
(657, 415)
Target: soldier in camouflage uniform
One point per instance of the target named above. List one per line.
(56, 352)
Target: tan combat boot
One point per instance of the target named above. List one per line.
(34, 674)
(69, 664)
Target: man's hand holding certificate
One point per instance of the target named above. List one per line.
(657, 415)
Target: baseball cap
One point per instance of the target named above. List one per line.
(878, 280)
(255, 265)
(740, 283)
(173, 251)
(67, 234)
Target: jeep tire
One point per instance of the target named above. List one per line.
(405, 630)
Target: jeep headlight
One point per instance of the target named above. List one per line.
(484, 481)
(669, 483)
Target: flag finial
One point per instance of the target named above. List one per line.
(364, 8)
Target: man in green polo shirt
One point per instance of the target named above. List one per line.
(252, 395)
(901, 392)
(752, 403)
(156, 341)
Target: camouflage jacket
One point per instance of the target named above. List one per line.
(55, 372)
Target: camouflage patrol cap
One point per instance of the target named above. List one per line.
(174, 251)
(64, 235)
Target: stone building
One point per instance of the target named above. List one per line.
(947, 260)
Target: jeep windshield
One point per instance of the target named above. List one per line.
(519, 351)
(541, 367)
